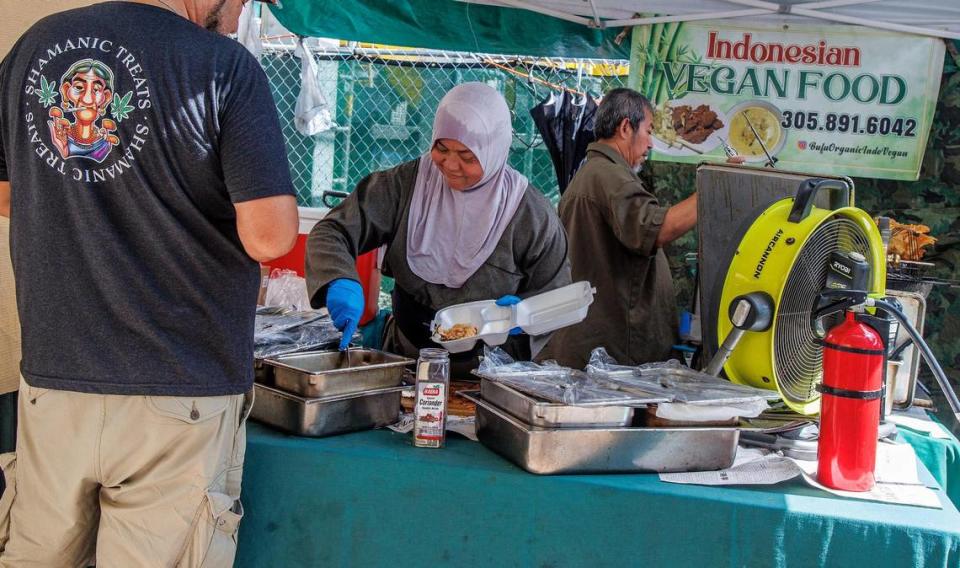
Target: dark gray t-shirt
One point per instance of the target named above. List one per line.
(127, 134)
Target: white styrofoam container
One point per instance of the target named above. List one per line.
(536, 315)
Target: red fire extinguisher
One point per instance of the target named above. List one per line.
(853, 364)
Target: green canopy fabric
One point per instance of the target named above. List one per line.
(452, 26)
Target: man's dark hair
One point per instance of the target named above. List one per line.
(617, 105)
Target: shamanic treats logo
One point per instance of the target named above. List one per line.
(80, 110)
(86, 90)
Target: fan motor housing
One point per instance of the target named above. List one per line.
(782, 258)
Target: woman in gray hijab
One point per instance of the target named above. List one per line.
(459, 225)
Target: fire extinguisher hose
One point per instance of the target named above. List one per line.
(927, 355)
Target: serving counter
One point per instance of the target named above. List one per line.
(370, 499)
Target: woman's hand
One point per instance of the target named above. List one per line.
(345, 304)
(507, 301)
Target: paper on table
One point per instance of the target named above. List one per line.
(896, 463)
(896, 473)
(463, 425)
(753, 470)
(896, 493)
(405, 425)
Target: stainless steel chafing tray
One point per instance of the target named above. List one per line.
(695, 386)
(603, 450)
(320, 374)
(541, 413)
(316, 417)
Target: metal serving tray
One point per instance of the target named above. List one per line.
(544, 414)
(317, 417)
(549, 451)
(319, 374)
(694, 385)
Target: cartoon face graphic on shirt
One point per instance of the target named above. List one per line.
(86, 90)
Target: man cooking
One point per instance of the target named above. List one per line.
(617, 230)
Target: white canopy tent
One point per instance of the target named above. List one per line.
(938, 18)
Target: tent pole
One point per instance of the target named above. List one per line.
(596, 15)
(770, 6)
(759, 8)
(688, 18)
(875, 24)
(523, 5)
(836, 4)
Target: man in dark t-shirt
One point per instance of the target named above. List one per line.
(144, 173)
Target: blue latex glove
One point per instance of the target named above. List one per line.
(345, 304)
(510, 300)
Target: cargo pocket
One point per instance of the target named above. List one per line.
(213, 542)
(189, 410)
(8, 465)
(31, 394)
(234, 474)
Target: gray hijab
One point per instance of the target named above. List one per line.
(450, 233)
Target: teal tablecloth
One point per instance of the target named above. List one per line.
(940, 455)
(370, 499)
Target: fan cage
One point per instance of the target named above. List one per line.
(798, 349)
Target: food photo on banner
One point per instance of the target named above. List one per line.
(831, 100)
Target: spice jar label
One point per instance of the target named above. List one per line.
(429, 414)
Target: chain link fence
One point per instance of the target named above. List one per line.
(382, 102)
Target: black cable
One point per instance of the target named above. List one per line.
(898, 352)
(927, 355)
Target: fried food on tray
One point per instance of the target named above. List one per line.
(907, 242)
(695, 125)
(456, 404)
(458, 331)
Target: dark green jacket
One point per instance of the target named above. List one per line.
(612, 224)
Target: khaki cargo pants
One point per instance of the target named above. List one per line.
(132, 481)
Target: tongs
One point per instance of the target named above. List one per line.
(345, 358)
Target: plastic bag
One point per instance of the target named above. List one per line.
(312, 112)
(548, 382)
(287, 290)
(678, 382)
(292, 332)
(248, 32)
(274, 320)
(497, 362)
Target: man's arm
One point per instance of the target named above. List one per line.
(4, 198)
(679, 219)
(268, 226)
(683, 216)
(253, 159)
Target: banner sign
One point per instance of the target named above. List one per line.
(837, 100)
